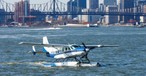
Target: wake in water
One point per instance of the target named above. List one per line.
(43, 64)
(25, 63)
(51, 28)
(18, 36)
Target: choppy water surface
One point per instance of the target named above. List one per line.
(126, 60)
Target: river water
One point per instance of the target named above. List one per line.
(126, 60)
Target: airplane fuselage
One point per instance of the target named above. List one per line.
(64, 52)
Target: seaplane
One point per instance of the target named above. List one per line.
(65, 54)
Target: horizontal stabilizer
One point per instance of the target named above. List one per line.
(38, 52)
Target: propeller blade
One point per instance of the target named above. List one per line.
(84, 45)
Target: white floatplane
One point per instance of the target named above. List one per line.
(66, 54)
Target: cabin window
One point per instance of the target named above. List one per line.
(65, 49)
(71, 48)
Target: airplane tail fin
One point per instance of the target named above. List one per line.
(45, 40)
(46, 49)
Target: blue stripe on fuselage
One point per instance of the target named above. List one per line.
(44, 50)
(79, 49)
(75, 50)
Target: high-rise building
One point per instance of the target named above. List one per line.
(71, 6)
(127, 3)
(101, 7)
(127, 6)
(109, 5)
(109, 19)
(110, 2)
(26, 7)
(92, 4)
(141, 7)
(21, 10)
(76, 5)
(2, 17)
(81, 4)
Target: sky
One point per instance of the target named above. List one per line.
(33, 1)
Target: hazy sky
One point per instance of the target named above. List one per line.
(33, 1)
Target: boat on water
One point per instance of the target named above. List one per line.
(23, 26)
(140, 25)
(54, 28)
(4, 26)
(92, 25)
(76, 25)
(16, 24)
(82, 25)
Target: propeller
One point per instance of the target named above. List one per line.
(85, 47)
(86, 54)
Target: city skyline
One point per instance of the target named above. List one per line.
(40, 1)
(22, 9)
(33, 1)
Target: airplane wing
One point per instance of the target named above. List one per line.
(41, 44)
(97, 46)
(100, 46)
